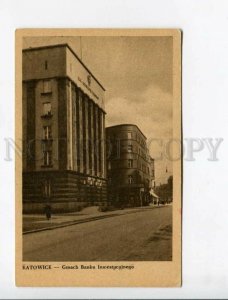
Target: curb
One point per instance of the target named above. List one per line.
(70, 223)
(86, 220)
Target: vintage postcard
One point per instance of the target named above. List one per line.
(98, 161)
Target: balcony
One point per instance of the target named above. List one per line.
(47, 115)
(46, 93)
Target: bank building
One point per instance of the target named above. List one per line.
(63, 131)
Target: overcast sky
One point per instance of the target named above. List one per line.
(137, 75)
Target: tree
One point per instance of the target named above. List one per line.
(165, 191)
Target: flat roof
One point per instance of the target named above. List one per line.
(121, 125)
(67, 46)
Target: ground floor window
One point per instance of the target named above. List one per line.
(47, 188)
(47, 158)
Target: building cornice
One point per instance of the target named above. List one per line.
(72, 51)
(123, 125)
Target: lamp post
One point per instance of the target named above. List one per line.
(90, 181)
(84, 182)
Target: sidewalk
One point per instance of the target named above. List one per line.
(36, 223)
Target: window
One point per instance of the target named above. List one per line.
(47, 132)
(130, 163)
(47, 109)
(47, 188)
(129, 135)
(130, 179)
(47, 158)
(46, 86)
(46, 65)
(129, 148)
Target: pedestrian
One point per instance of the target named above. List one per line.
(48, 212)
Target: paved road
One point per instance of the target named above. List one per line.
(144, 235)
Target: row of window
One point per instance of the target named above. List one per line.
(48, 161)
(130, 180)
(144, 168)
(48, 155)
(141, 166)
(91, 181)
(115, 151)
(138, 139)
(47, 135)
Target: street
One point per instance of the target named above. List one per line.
(141, 236)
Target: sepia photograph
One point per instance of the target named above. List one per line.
(100, 171)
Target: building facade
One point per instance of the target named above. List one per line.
(130, 168)
(63, 131)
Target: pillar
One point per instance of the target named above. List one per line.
(92, 171)
(69, 127)
(102, 144)
(86, 135)
(74, 127)
(96, 152)
(80, 132)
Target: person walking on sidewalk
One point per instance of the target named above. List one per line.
(48, 212)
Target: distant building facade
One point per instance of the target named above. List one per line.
(130, 169)
(63, 131)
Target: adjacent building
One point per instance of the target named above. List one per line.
(63, 131)
(130, 168)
